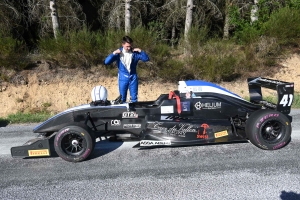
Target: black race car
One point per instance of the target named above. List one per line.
(198, 112)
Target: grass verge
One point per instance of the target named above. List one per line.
(20, 117)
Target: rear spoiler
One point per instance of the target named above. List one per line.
(285, 93)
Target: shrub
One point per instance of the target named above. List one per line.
(284, 25)
(247, 34)
(218, 60)
(81, 48)
(13, 53)
(143, 38)
(174, 70)
(197, 38)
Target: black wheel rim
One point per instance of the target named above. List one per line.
(73, 144)
(272, 131)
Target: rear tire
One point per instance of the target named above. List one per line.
(268, 129)
(74, 143)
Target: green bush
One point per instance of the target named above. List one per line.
(284, 25)
(75, 49)
(209, 68)
(197, 38)
(109, 41)
(174, 70)
(13, 53)
(218, 60)
(247, 34)
(143, 38)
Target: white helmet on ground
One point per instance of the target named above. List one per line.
(99, 93)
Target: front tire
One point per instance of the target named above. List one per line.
(74, 143)
(268, 129)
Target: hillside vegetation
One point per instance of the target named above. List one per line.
(252, 48)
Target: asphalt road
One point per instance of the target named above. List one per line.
(116, 170)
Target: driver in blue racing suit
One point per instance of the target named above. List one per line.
(127, 59)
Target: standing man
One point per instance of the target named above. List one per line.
(127, 59)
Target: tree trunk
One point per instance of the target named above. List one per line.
(173, 36)
(188, 18)
(54, 16)
(127, 17)
(254, 11)
(226, 21)
(188, 24)
(118, 22)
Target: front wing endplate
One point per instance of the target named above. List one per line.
(33, 148)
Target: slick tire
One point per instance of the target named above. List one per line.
(74, 143)
(268, 129)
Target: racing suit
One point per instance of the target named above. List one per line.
(127, 76)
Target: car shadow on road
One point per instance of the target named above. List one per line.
(104, 147)
(289, 195)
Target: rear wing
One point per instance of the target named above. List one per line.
(285, 93)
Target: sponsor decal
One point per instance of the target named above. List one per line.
(221, 134)
(181, 130)
(60, 134)
(292, 85)
(154, 143)
(86, 153)
(130, 115)
(164, 117)
(270, 81)
(157, 126)
(115, 122)
(265, 118)
(177, 130)
(188, 95)
(279, 145)
(203, 135)
(185, 106)
(269, 104)
(196, 88)
(209, 105)
(166, 109)
(126, 126)
(40, 152)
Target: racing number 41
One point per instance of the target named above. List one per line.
(287, 99)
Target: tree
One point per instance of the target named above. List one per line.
(173, 14)
(233, 7)
(254, 12)
(54, 16)
(118, 14)
(46, 23)
(188, 24)
(188, 18)
(127, 16)
(10, 15)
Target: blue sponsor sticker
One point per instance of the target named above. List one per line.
(185, 106)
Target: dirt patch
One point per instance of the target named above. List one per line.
(58, 89)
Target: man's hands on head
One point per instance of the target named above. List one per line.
(137, 50)
(118, 51)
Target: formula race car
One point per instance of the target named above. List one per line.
(198, 112)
